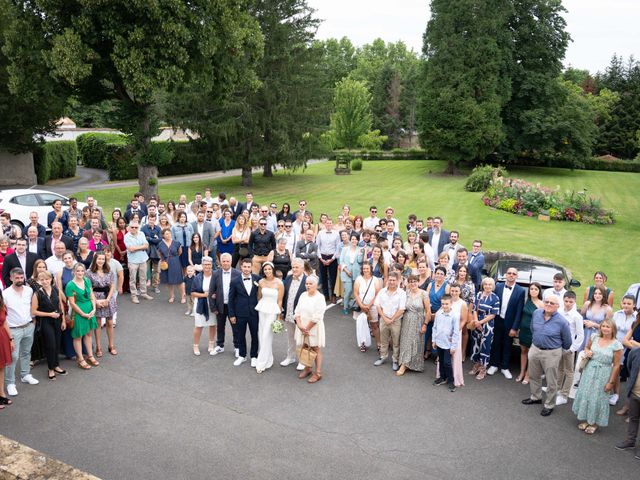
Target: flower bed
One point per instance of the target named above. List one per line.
(523, 198)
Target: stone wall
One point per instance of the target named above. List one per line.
(17, 170)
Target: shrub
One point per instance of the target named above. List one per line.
(395, 154)
(481, 176)
(356, 164)
(96, 149)
(54, 160)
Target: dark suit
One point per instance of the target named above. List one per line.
(11, 261)
(308, 254)
(444, 239)
(633, 364)
(48, 251)
(236, 210)
(42, 231)
(39, 248)
(477, 261)
(501, 347)
(242, 306)
(221, 309)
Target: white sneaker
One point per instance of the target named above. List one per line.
(188, 312)
(254, 362)
(544, 389)
(300, 367)
(287, 361)
(613, 399)
(507, 374)
(492, 370)
(239, 361)
(11, 390)
(561, 400)
(236, 352)
(217, 350)
(30, 380)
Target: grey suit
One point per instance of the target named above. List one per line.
(308, 253)
(208, 235)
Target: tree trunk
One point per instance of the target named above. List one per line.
(148, 180)
(247, 178)
(451, 168)
(267, 172)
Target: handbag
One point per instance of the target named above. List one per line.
(354, 306)
(243, 251)
(306, 355)
(583, 363)
(363, 334)
(164, 265)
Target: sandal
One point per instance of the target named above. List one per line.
(525, 381)
(60, 371)
(93, 361)
(363, 348)
(211, 346)
(591, 429)
(623, 411)
(475, 369)
(196, 349)
(304, 373)
(183, 300)
(316, 377)
(99, 353)
(84, 365)
(113, 351)
(5, 401)
(582, 425)
(52, 377)
(171, 300)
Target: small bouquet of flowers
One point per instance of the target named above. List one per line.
(277, 327)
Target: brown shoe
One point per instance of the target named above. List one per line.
(304, 373)
(316, 377)
(134, 299)
(475, 369)
(146, 296)
(402, 370)
(481, 373)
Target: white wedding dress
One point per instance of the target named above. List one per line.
(268, 311)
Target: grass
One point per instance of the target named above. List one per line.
(419, 187)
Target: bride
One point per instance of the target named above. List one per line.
(269, 307)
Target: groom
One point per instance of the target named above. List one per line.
(243, 298)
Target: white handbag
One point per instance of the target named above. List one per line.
(363, 335)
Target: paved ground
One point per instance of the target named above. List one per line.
(157, 411)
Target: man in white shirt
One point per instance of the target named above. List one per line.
(452, 247)
(17, 300)
(565, 369)
(219, 303)
(390, 303)
(290, 237)
(388, 214)
(372, 221)
(54, 262)
(328, 242)
(137, 257)
(558, 287)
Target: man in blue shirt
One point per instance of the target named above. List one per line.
(551, 335)
(137, 257)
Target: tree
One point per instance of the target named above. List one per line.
(31, 104)
(464, 83)
(133, 52)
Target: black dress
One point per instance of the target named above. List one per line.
(282, 262)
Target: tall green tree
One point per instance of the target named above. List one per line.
(135, 51)
(30, 104)
(352, 112)
(464, 81)
(275, 120)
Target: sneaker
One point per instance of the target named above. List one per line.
(287, 361)
(11, 390)
(379, 361)
(492, 370)
(188, 312)
(452, 388)
(544, 389)
(217, 350)
(561, 400)
(626, 445)
(300, 367)
(637, 455)
(254, 362)
(30, 380)
(439, 381)
(613, 399)
(239, 361)
(146, 296)
(156, 290)
(507, 374)
(236, 352)
(134, 299)
(395, 366)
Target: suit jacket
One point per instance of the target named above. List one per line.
(40, 248)
(236, 210)
(287, 292)
(68, 243)
(513, 315)
(477, 261)
(311, 256)
(11, 261)
(241, 304)
(208, 235)
(42, 231)
(633, 364)
(216, 290)
(444, 239)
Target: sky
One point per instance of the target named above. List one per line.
(598, 28)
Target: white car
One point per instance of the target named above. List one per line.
(21, 202)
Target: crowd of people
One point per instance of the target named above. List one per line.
(415, 293)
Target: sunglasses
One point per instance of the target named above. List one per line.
(287, 226)
(263, 224)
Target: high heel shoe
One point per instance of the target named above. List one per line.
(93, 361)
(401, 371)
(5, 401)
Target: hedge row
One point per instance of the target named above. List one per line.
(96, 150)
(396, 154)
(54, 160)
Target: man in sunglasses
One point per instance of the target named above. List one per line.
(261, 242)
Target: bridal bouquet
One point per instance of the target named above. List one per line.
(277, 326)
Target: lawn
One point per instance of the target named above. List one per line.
(419, 187)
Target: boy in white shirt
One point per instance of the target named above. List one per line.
(567, 361)
(558, 287)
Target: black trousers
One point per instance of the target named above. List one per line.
(222, 326)
(328, 275)
(241, 324)
(51, 333)
(501, 346)
(446, 370)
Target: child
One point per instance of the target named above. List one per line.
(567, 361)
(558, 287)
(623, 319)
(445, 337)
(188, 281)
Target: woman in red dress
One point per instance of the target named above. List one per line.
(120, 252)
(4, 251)
(6, 347)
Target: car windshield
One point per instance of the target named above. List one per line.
(529, 272)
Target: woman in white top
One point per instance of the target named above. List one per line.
(202, 316)
(365, 289)
(309, 319)
(459, 306)
(240, 239)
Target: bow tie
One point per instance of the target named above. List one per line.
(507, 286)
(226, 273)
(246, 279)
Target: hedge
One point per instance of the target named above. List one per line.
(612, 166)
(395, 154)
(97, 149)
(54, 160)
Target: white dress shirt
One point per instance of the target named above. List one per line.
(504, 301)
(576, 325)
(226, 281)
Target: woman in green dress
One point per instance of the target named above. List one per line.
(83, 305)
(597, 382)
(524, 336)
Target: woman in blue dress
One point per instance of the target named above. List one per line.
(225, 245)
(597, 382)
(170, 251)
(436, 290)
(486, 308)
(182, 232)
(594, 312)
